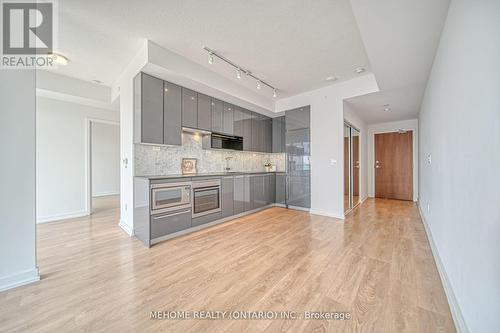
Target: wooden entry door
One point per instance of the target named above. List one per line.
(394, 165)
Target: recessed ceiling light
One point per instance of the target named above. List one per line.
(332, 78)
(360, 70)
(58, 59)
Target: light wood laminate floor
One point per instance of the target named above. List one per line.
(377, 265)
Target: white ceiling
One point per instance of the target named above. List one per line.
(293, 44)
(401, 39)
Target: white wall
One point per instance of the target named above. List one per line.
(61, 149)
(105, 159)
(17, 178)
(460, 129)
(327, 119)
(351, 117)
(393, 126)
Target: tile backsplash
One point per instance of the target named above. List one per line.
(166, 160)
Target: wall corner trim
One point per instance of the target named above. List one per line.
(126, 228)
(456, 312)
(19, 279)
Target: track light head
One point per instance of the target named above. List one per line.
(258, 84)
(238, 73)
(274, 93)
(210, 58)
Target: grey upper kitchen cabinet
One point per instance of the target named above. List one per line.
(238, 125)
(227, 198)
(204, 112)
(148, 108)
(228, 119)
(278, 141)
(217, 107)
(268, 135)
(247, 130)
(172, 118)
(189, 108)
(239, 194)
(256, 132)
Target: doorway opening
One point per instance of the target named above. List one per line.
(351, 167)
(394, 165)
(103, 166)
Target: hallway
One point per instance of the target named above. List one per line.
(377, 266)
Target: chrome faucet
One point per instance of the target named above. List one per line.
(227, 168)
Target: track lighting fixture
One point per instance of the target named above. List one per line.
(211, 56)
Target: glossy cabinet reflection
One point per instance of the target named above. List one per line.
(298, 152)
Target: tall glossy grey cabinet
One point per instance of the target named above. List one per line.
(298, 153)
(157, 111)
(172, 131)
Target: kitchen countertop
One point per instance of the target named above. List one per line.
(211, 174)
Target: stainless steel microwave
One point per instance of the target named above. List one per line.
(170, 196)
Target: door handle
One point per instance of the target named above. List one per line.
(169, 215)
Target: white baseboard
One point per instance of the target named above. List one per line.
(456, 313)
(126, 228)
(326, 213)
(19, 279)
(105, 194)
(56, 217)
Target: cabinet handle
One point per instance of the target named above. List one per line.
(168, 215)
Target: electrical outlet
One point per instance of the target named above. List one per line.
(429, 159)
(333, 161)
(428, 207)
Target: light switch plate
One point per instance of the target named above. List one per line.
(333, 161)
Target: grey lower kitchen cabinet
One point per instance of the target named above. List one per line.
(239, 194)
(259, 195)
(189, 108)
(197, 221)
(217, 107)
(172, 101)
(204, 112)
(228, 119)
(148, 109)
(248, 197)
(164, 224)
(280, 188)
(247, 130)
(278, 135)
(227, 196)
(271, 191)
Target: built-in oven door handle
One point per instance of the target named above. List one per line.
(169, 215)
